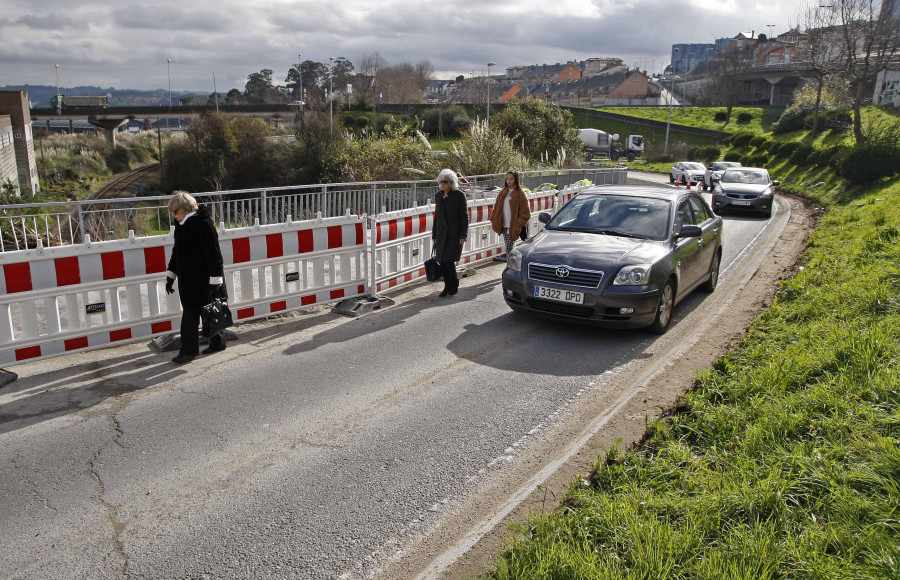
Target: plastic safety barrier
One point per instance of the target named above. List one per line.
(71, 298)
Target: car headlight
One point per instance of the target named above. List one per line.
(514, 262)
(636, 275)
(766, 192)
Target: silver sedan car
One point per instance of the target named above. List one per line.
(617, 256)
(743, 189)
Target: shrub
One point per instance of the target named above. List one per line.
(801, 154)
(838, 120)
(741, 139)
(786, 149)
(721, 116)
(733, 155)
(768, 145)
(757, 141)
(754, 160)
(541, 130)
(744, 118)
(869, 163)
(452, 120)
(793, 118)
(703, 153)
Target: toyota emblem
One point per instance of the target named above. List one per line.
(562, 272)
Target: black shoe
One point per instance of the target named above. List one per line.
(211, 349)
(453, 292)
(444, 293)
(181, 359)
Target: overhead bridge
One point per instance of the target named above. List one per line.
(111, 118)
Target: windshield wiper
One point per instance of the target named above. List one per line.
(617, 233)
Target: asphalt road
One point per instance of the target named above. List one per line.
(316, 446)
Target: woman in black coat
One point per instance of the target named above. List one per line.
(197, 264)
(450, 229)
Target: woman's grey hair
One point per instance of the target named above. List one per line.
(184, 201)
(449, 174)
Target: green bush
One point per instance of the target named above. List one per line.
(754, 160)
(741, 139)
(541, 130)
(703, 153)
(801, 154)
(732, 155)
(449, 121)
(721, 116)
(744, 118)
(757, 141)
(793, 118)
(869, 163)
(786, 149)
(838, 121)
(768, 145)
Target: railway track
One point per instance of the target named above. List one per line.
(117, 186)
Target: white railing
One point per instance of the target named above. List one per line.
(67, 223)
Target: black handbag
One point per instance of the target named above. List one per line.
(523, 234)
(433, 269)
(216, 317)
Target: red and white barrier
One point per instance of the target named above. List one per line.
(72, 298)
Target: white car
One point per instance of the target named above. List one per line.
(687, 172)
(714, 172)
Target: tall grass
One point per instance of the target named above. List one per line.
(784, 460)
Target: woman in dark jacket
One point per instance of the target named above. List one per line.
(450, 229)
(197, 264)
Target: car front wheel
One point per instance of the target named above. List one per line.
(664, 309)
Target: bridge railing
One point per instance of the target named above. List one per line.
(67, 223)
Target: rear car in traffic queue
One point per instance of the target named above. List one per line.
(744, 189)
(617, 256)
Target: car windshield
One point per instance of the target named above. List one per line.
(751, 177)
(696, 166)
(723, 165)
(614, 215)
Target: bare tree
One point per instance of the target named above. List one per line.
(869, 32)
(819, 48)
(731, 68)
(368, 72)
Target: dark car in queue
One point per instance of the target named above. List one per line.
(744, 189)
(617, 256)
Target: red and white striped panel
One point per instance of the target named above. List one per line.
(404, 223)
(35, 283)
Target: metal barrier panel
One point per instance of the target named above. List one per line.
(72, 298)
(69, 223)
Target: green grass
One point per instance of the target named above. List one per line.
(784, 460)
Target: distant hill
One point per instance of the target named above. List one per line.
(40, 95)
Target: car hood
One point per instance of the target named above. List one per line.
(744, 187)
(590, 251)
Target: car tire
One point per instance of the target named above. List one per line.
(767, 214)
(671, 178)
(710, 285)
(631, 157)
(664, 308)
(614, 156)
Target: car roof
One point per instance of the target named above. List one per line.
(649, 191)
(747, 169)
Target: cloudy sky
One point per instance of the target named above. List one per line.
(125, 44)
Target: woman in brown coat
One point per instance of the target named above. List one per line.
(511, 212)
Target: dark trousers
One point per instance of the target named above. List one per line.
(190, 333)
(451, 281)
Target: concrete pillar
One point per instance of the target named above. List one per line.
(109, 127)
(16, 105)
(772, 82)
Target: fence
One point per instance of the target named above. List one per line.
(62, 223)
(91, 295)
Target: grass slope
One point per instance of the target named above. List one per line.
(784, 460)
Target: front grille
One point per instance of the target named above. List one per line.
(741, 195)
(560, 308)
(576, 277)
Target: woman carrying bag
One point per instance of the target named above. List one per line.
(450, 229)
(196, 263)
(511, 212)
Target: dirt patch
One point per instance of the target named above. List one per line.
(615, 414)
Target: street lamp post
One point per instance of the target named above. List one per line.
(169, 75)
(58, 98)
(489, 65)
(770, 26)
(671, 98)
(331, 96)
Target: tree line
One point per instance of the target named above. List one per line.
(374, 81)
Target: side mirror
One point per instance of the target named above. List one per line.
(544, 217)
(689, 231)
(776, 182)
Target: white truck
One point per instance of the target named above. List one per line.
(599, 143)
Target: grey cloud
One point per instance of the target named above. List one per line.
(143, 17)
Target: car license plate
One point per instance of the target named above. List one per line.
(558, 295)
(740, 202)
